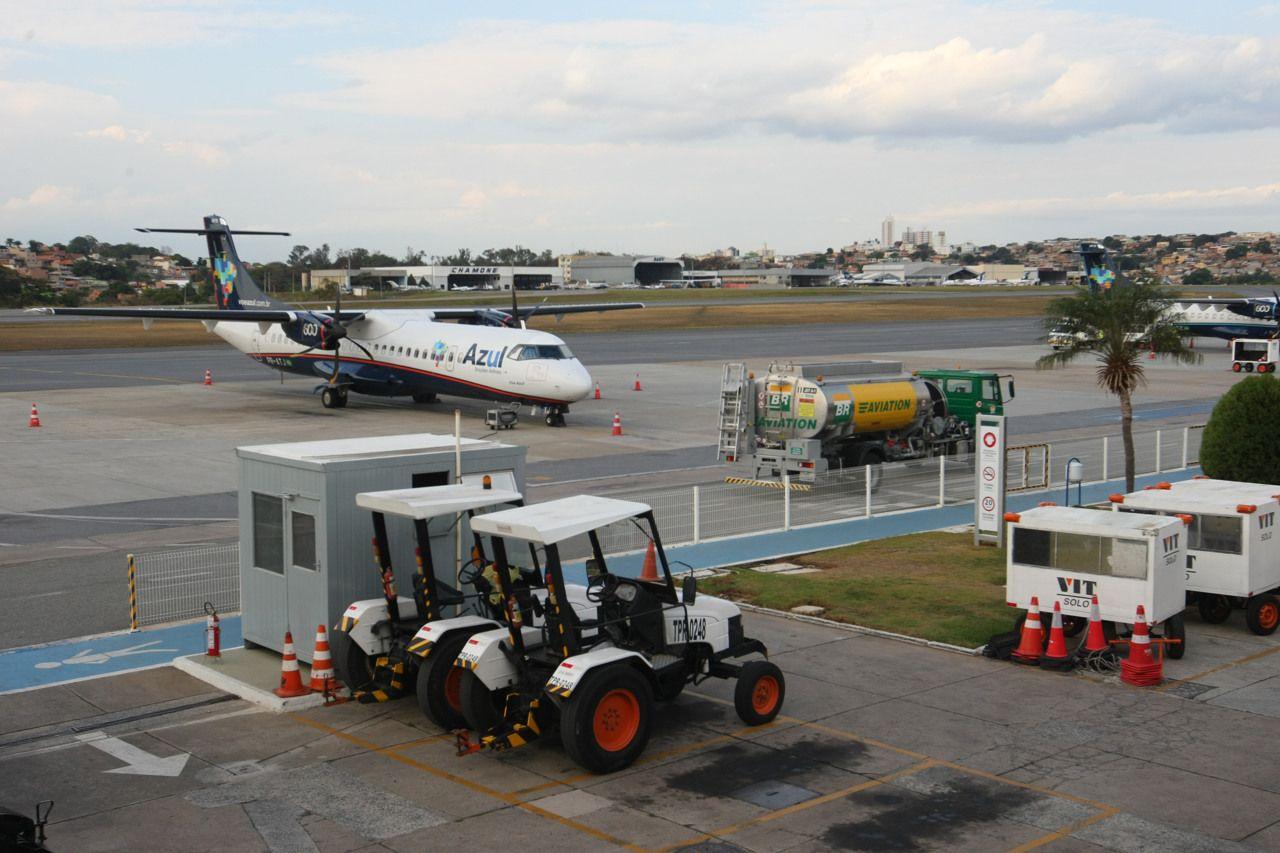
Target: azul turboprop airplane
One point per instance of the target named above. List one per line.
(484, 353)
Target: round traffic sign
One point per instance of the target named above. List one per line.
(989, 503)
(988, 473)
(989, 439)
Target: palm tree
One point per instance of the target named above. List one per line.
(1116, 325)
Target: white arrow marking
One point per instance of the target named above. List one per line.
(138, 762)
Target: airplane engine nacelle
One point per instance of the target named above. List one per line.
(313, 330)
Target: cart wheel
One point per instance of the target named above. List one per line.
(440, 683)
(1073, 625)
(354, 665)
(1214, 609)
(759, 693)
(1175, 628)
(1262, 614)
(481, 707)
(604, 725)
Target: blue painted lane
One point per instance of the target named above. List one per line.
(106, 654)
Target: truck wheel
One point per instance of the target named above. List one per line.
(873, 457)
(1248, 367)
(1175, 628)
(1235, 366)
(354, 665)
(440, 683)
(1214, 609)
(758, 695)
(481, 708)
(1072, 625)
(604, 725)
(1262, 614)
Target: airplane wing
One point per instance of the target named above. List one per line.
(581, 308)
(274, 315)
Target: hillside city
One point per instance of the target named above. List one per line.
(86, 271)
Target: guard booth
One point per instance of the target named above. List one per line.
(306, 547)
(1233, 554)
(1070, 554)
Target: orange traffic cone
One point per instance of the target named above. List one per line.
(617, 424)
(208, 376)
(1096, 640)
(34, 420)
(1055, 656)
(1141, 668)
(637, 388)
(290, 679)
(1032, 640)
(650, 570)
(597, 391)
(322, 678)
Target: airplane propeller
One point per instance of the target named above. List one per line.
(333, 329)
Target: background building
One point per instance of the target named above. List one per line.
(443, 277)
(886, 232)
(627, 269)
(766, 277)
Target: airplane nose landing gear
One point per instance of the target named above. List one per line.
(334, 397)
(555, 417)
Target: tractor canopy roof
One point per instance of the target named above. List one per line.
(555, 521)
(434, 501)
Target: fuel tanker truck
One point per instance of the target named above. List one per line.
(804, 419)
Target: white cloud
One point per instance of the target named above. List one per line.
(1235, 197)
(25, 103)
(202, 152)
(44, 196)
(118, 133)
(996, 72)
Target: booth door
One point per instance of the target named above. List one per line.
(304, 573)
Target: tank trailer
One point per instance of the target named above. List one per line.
(800, 420)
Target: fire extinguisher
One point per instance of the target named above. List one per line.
(212, 632)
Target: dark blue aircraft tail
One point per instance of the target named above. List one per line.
(233, 286)
(1100, 273)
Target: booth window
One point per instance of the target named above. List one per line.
(302, 531)
(268, 533)
(1217, 533)
(1079, 552)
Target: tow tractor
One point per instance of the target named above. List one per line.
(372, 639)
(1249, 354)
(596, 675)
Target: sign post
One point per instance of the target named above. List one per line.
(989, 473)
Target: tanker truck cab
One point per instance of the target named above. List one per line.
(970, 393)
(595, 675)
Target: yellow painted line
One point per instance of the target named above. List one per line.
(509, 799)
(420, 741)
(807, 804)
(1228, 665)
(1066, 830)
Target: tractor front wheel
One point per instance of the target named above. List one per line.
(354, 664)
(481, 707)
(759, 693)
(440, 683)
(604, 725)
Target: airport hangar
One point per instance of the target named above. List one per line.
(617, 270)
(446, 277)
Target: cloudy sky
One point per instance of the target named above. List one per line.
(652, 127)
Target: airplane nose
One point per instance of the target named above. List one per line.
(575, 384)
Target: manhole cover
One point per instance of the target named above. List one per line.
(773, 795)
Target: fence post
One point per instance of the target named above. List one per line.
(133, 595)
(1158, 432)
(1105, 454)
(697, 515)
(867, 480)
(942, 480)
(1186, 434)
(786, 500)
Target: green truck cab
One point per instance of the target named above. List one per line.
(971, 393)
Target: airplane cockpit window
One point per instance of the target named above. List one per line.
(528, 352)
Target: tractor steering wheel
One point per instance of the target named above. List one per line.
(602, 588)
(471, 572)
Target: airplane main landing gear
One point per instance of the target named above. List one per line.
(334, 397)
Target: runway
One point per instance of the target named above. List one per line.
(120, 368)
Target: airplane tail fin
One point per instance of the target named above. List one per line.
(233, 286)
(1100, 273)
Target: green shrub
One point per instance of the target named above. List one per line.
(1242, 438)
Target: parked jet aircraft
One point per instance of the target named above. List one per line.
(484, 353)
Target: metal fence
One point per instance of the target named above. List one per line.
(168, 586)
(173, 585)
